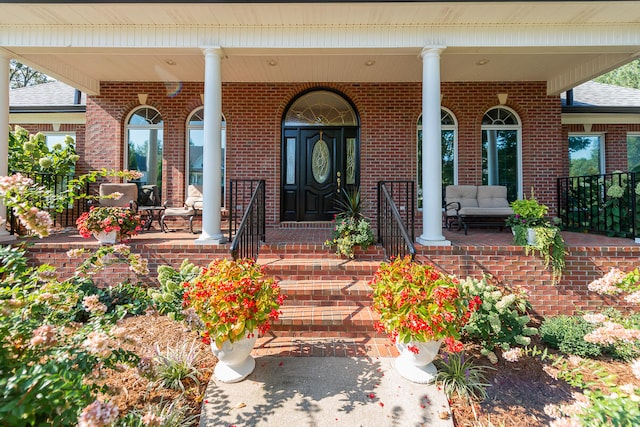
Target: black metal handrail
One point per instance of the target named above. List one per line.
(251, 231)
(55, 184)
(605, 204)
(395, 233)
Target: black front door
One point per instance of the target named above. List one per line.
(316, 163)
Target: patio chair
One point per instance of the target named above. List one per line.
(129, 197)
(192, 206)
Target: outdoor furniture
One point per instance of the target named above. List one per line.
(129, 197)
(484, 205)
(192, 206)
(149, 205)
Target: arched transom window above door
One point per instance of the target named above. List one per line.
(321, 108)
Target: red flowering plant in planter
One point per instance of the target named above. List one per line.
(418, 303)
(106, 219)
(233, 299)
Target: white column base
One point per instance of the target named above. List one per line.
(637, 239)
(433, 241)
(216, 239)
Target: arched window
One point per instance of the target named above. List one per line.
(449, 128)
(502, 151)
(195, 144)
(320, 108)
(144, 145)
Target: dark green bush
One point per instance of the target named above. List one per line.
(566, 333)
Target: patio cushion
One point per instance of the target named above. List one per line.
(129, 193)
(194, 196)
(493, 196)
(184, 211)
(473, 211)
(463, 194)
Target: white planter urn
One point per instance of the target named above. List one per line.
(418, 368)
(235, 362)
(106, 238)
(531, 236)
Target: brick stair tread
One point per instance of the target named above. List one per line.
(319, 344)
(326, 287)
(310, 317)
(318, 265)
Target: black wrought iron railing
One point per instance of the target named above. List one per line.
(396, 205)
(62, 216)
(604, 204)
(251, 231)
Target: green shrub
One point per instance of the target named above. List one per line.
(502, 319)
(566, 333)
(461, 376)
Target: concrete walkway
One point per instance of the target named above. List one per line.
(324, 391)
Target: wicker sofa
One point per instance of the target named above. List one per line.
(478, 205)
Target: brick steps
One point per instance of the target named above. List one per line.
(328, 298)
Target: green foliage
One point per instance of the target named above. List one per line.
(168, 298)
(527, 212)
(21, 75)
(419, 303)
(548, 243)
(351, 227)
(461, 376)
(46, 365)
(566, 333)
(167, 414)
(614, 409)
(177, 364)
(627, 75)
(29, 153)
(501, 320)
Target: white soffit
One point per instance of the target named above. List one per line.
(83, 44)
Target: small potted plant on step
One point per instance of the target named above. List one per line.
(351, 228)
(419, 307)
(235, 302)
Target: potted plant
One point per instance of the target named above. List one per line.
(535, 232)
(235, 302)
(351, 227)
(109, 223)
(419, 307)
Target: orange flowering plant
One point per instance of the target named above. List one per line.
(107, 219)
(418, 303)
(233, 299)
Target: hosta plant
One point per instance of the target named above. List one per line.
(168, 298)
(233, 298)
(419, 303)
(351, 227)
(501, 321)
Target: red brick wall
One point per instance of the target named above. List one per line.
(388, 115)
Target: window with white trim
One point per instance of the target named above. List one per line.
(586, 154)
(144, 145)
(502, 151)
(633, 152)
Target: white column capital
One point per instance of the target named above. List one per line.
(213, 50)
(431, 51)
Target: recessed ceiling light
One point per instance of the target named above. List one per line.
(369, 62)
(482, 62)
(272, 62)
(170, 61)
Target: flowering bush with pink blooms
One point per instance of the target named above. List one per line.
(233, 299)
(106, 219)
(419, 303)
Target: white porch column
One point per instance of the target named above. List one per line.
(211, 152)
(4, 138)
(431, 149)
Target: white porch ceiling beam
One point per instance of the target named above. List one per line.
(585, 71)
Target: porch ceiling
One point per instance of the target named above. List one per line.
(85, 43)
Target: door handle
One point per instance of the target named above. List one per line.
(338, 181)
